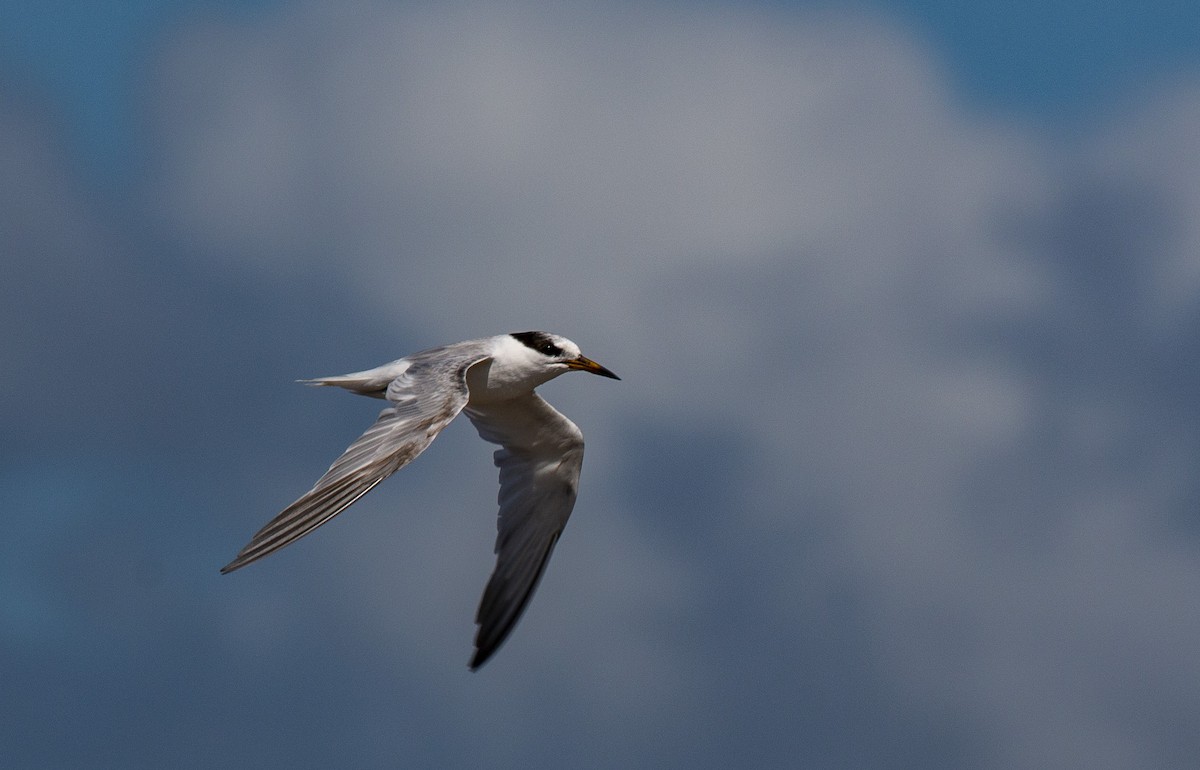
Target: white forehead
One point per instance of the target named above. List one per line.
(568, 347)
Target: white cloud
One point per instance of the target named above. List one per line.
(780, 229)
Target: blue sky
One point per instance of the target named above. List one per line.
(901, 470)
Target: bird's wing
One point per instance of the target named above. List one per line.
(424, 399)
(539, 462)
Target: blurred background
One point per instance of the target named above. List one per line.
(905, 297)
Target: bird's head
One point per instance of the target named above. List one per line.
(559, 353)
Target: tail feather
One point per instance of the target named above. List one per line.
(372, 382)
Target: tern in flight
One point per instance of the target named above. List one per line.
(540, 455)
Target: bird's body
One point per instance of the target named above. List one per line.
(493, 381)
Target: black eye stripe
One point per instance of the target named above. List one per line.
(539, 341)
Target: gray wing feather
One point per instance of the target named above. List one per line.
(424, 398)
(539, 462)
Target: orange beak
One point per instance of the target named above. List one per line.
(588, 365)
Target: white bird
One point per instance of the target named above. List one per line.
(541, 453)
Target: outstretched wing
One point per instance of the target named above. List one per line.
(539, 462)
(424, 398)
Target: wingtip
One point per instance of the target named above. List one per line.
(236, 564)
(479, 658)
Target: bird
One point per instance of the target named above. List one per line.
(491, 380)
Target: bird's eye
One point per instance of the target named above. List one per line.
(549, 348)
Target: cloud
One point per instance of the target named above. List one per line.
(797, 244)
(900, 468)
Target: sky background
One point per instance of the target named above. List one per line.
(901, 471)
